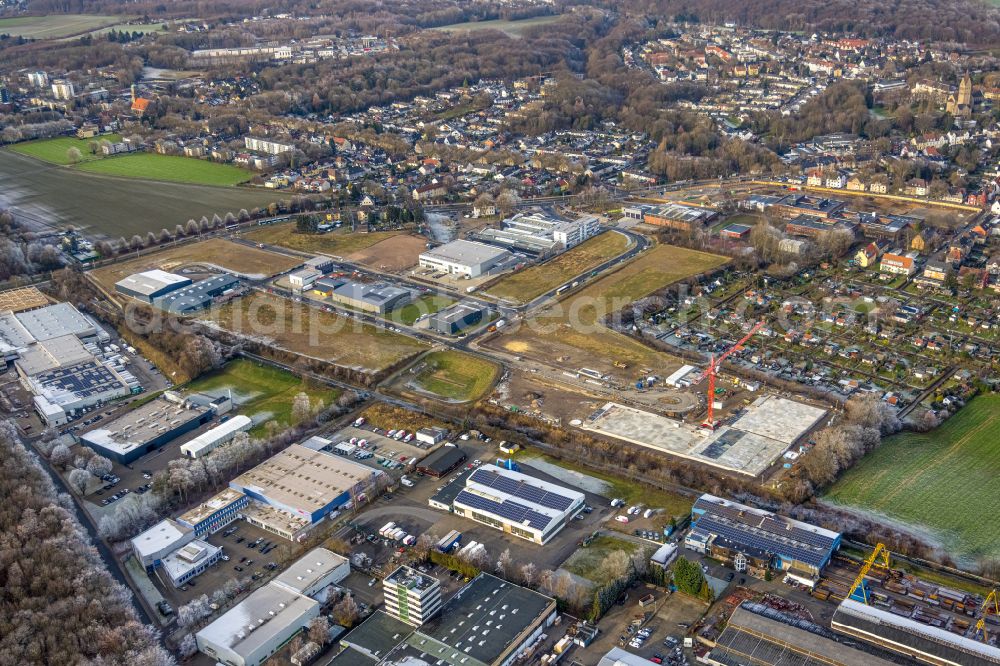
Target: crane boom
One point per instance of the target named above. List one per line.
(713, 368)
(859, 582)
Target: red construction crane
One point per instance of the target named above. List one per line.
(713, 369)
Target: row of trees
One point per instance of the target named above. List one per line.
(61, 606)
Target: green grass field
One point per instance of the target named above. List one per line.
(54, 26)
(428, 304)
(263, 392)
(590, 562)
(455, 375)
(512, 28)
(939, 482)
(338, 243)
(55, 150)
(534, 281)
(171, 168)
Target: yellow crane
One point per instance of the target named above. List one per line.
(981, 625)
(859, 582)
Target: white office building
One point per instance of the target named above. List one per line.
(155, 544)
(411, 596)
(190, 560)
(462, 257)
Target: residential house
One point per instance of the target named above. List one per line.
(898, 263)
(924, 242)
(916, 187)
(878, 187)
(867, 256)
(855, 184)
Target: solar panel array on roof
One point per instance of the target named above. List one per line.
(512, 511)
(765, 531)
(521, 489)
(84, 380)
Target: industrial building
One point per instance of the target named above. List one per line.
(539, 234)
(206, 442)
(379, 297)
(314, 572)
(257, 627)
(144, 429)
(455, 319)
(260, 625)
(759, 541)
(65, 367)
(489, 622)
(150, 285)
(215, 513)
(199, 295)
(298, 487)
(761, 636)
(516, 503)
(463, 257)
(672, 215)
(906, 636)
(442, 462)
(154, 544)
(411, 596)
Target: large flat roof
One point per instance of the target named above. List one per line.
(378, 635)
(256, 620)
(469, 253)
(314, 566)
(55, 321)
(301, 477)
(483, 619)
(161, 535)
(141, 425)
(63, 351)
(67, 385)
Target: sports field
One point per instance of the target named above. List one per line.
(424, 305)
(171, 168)
(454, 375)
(264, 393)
(215, 252)
(941, 482)
(512, 28)
(314, 333)
(56, 150)
(54, 26)
(534, 281)
(571, 331)
(338, 243)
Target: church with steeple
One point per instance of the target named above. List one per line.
(960, 103)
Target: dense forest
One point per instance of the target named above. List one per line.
(58, 604)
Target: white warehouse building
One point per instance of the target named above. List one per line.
(260, 625)
(217, 436)
(463, 257)
(516, 503)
